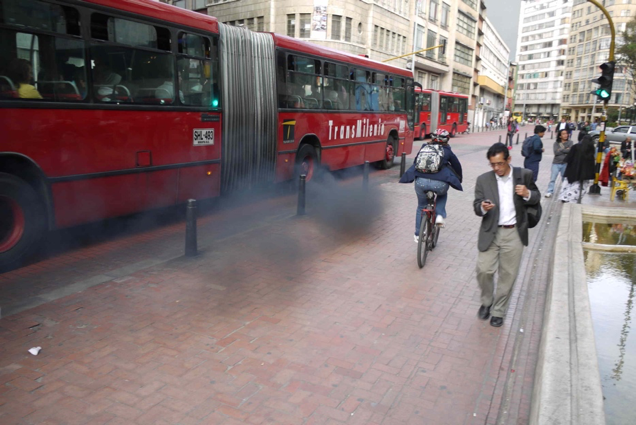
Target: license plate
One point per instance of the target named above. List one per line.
(203, 137)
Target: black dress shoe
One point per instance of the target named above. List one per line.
(496, 321)
(484, 312)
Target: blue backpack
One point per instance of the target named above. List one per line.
(527, 147)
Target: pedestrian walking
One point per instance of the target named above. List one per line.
(561, 148)
(563, 125)
(579, 171)
(532, 150)
(512, 129)
(501, 197)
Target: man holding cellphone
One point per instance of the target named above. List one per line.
(501, 196)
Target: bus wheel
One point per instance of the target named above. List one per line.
(389, 155)
(423, 132)
(453, 132)
(306, 162)
(22, 223)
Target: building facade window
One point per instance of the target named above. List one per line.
(419, 38)
(445, 15)
(461, 84)
(305, 25)
(432, 10)
(260, 26)
(434, 82)
(463, 54)
(335, 27)
(465, 25)
(431, 38)
(442, 40)
(291, 25)
(471, 3)
(348, 24)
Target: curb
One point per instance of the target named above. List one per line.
(567, 386)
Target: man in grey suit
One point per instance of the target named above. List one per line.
(500, 198)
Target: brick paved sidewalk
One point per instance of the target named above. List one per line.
(300, 321)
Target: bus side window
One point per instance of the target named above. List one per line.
(140, 68)
(35, 65)
(197, 71)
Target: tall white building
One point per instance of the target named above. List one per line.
(493, 76)
(544, 27)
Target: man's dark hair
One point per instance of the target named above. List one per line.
(539, 129)
(496, 149)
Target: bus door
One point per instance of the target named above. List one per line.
(443, 109)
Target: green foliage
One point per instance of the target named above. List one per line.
(626, 52)
(612, 114)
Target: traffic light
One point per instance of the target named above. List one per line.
(604, 92)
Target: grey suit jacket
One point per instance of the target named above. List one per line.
(486, 188)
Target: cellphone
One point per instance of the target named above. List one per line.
(487, 201)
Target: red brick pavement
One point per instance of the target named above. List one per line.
(291, 322)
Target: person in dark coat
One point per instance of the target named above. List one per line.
(449, 174)
(626, 148)
(531, 162)
(579, 171)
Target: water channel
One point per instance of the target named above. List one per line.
(611, 279)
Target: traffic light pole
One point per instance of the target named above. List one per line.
(595, 189)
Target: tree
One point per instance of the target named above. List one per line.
(626, 51)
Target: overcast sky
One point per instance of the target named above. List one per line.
(504, 15)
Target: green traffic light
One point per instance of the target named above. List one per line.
(215, 103)
(603, 94)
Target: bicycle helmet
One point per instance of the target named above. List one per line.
(440, 136)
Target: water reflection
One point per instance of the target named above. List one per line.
(609, 234)
(611, 278)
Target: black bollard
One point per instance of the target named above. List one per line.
(526, 136)
(517, 138)
(365, 176)
(403, 164)
(300, 210)
(500, 138)
(191, 229)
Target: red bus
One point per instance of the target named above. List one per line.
(439, 109)
(111, 107)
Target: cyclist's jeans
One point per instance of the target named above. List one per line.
(423, 185)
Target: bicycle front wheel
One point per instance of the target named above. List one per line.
(422, 244)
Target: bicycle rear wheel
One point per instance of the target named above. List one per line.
(422, 244)
(436, 230)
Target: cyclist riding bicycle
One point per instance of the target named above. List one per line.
(435, 168)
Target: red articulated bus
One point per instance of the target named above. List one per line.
(110, 107)
(439, 109)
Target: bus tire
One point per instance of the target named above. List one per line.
(423, 132)
(306, 162)
(389, 154)
(21, 233)
(453, 132)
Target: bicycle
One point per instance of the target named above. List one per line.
(429, 232)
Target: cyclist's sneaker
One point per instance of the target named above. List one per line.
(548, 195)
(417, 238)
(439, 220)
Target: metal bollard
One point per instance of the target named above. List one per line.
(551, 134)
(517, 138)
(500, 138)
(526, 136)
(365, 176)
(300, 210)
(191, 229)
(403, 164)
